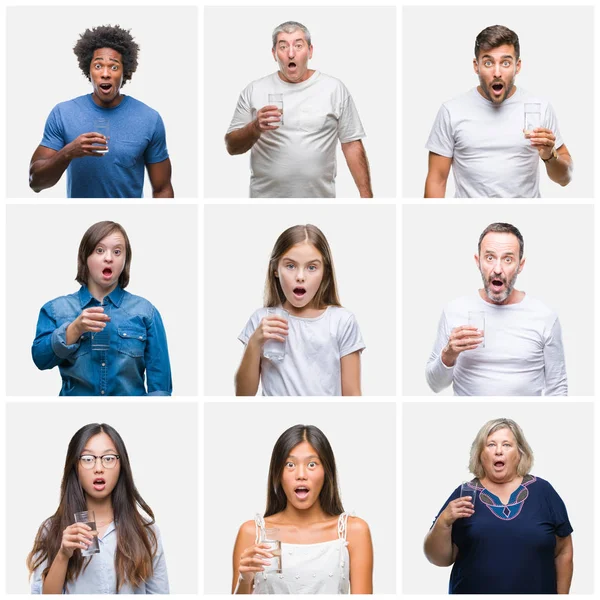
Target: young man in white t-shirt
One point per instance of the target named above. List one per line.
(293, 152)
(519, 352)
(481, 134)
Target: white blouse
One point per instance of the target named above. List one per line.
(322, 568)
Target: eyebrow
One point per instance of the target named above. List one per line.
(110, 451)
(509, 253)
(502, 57)
(309, 456)
(316, 260)
(102, 58)
(294, 41)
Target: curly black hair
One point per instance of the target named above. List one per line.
(107, 36)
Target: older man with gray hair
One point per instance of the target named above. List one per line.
(291, 121)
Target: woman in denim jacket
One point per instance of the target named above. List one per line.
(104, 340)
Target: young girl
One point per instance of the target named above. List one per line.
(102, 338)
(97, 476)
(321, 550)
(322, 339)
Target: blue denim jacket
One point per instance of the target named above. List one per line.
(138, 345)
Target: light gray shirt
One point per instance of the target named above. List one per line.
(314, 349)
(523, 353)
(100, 577)
(491, 158)
(298, 160)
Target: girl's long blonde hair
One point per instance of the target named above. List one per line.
(327, 294)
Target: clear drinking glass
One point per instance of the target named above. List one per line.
(466, 489)
(101, 339)
(274, 349)
(89, 518)
(533, 116)
(477, 318)
(102, 125)
(277, 100)
(271, 536)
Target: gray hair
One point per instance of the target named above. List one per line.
(526, 461)
(503, 228)
(290, 27)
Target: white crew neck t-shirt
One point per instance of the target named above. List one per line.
(523, 353)
(314, 349)
(491, 158)
(298, 160)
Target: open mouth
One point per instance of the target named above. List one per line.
(497, 88)
(301, 492)
(299, 292)
(106, 87)
(499, 464)
(291, 65)
(497, 284)
(107, 273)
(99, 483)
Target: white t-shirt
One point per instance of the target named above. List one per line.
(491, 158)
(314, 349)
(297, 160)
(523, 354)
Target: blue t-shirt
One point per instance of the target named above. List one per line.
(509, 549)
(136, 347)
(137, 138)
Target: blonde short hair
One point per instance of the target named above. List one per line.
(525, 451)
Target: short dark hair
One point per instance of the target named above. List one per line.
(494, 36)
(107, 36)
(329, 497)
(503, 228)
(91, 238)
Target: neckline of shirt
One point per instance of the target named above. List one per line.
(310, 319)
(503, 306)
(516, 97)
(298, 86)
(102, 109)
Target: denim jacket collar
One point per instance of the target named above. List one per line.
(116, 296)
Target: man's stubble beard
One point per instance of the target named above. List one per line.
(499, 298)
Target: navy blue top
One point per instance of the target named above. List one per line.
(509, 549)
(137, 138)
(137, 347)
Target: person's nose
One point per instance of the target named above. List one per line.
(105, 73)
(300, 275)
(497, 71)
(98, 467)
(291, 52)
(499, 450)
(301, 472)
(108, 257)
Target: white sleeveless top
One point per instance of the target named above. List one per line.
(322, 568)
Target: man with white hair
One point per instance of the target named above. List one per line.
(500, 341)
(293, 142)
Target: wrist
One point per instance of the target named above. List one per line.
(553, 156)
(73, 329)
(448, 357)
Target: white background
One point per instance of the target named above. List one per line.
(163, 461)
(42, 245)
(439, 243)
(42, 71)
(237, 251)
(557, 64)
(347, 45)
(236, 473)
(440, 435)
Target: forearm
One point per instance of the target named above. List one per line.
(564, 572)
(243, 587)
(560, 170)
(46, 172)
(241, 140)
(72, 334)
(356, 158)
(247, 377)
(438, 375)
(166, 191)
(435, 187)
(54, 581)
(438, 545)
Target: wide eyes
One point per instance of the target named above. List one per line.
(311, 465)
(116, 251)
(99, 66)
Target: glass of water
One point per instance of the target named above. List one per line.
(466, 489)
(477, 318)
(102, 126)
(533, 117)
(101, 339)
(89, 518)
(271, 536)
(274, 349)
(277, 100)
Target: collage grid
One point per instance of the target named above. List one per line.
(425, 426)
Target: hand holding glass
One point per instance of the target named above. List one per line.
(467, 490)
(271, 536)
(533, 117)
(277, 100)
(89, 518)
(477, 319)
(274, 349)
(101, 339)
(102, 126)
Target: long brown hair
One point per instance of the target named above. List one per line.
(136, 540)
(327, 294)
(329, 497)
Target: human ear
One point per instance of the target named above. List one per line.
(476, 257)
(518, 67)
(521, 265)
(475, 66)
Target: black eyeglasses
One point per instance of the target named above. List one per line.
(88, 461)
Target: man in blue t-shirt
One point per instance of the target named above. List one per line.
(104, 140)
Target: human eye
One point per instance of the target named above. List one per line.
(312, 464)
(506, 63)
(115, 67)
(99, 250)
(87, 459)
(109, 460)
(97, 66)
(508, 259)
(117, 252)
(289, 464)
(289, 266)
(489, 258)
(312, 267)
(487, 63)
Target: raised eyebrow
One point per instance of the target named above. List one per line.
(510, 56)
(109, 451)
(309, 456)
(102, 58)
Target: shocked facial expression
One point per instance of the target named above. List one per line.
(106, 73)
(292, 54)
(500, 457)
(499, 265)
(99, 482)
(497, 69)
(106, 263)
(303, 476)
(300, 272)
